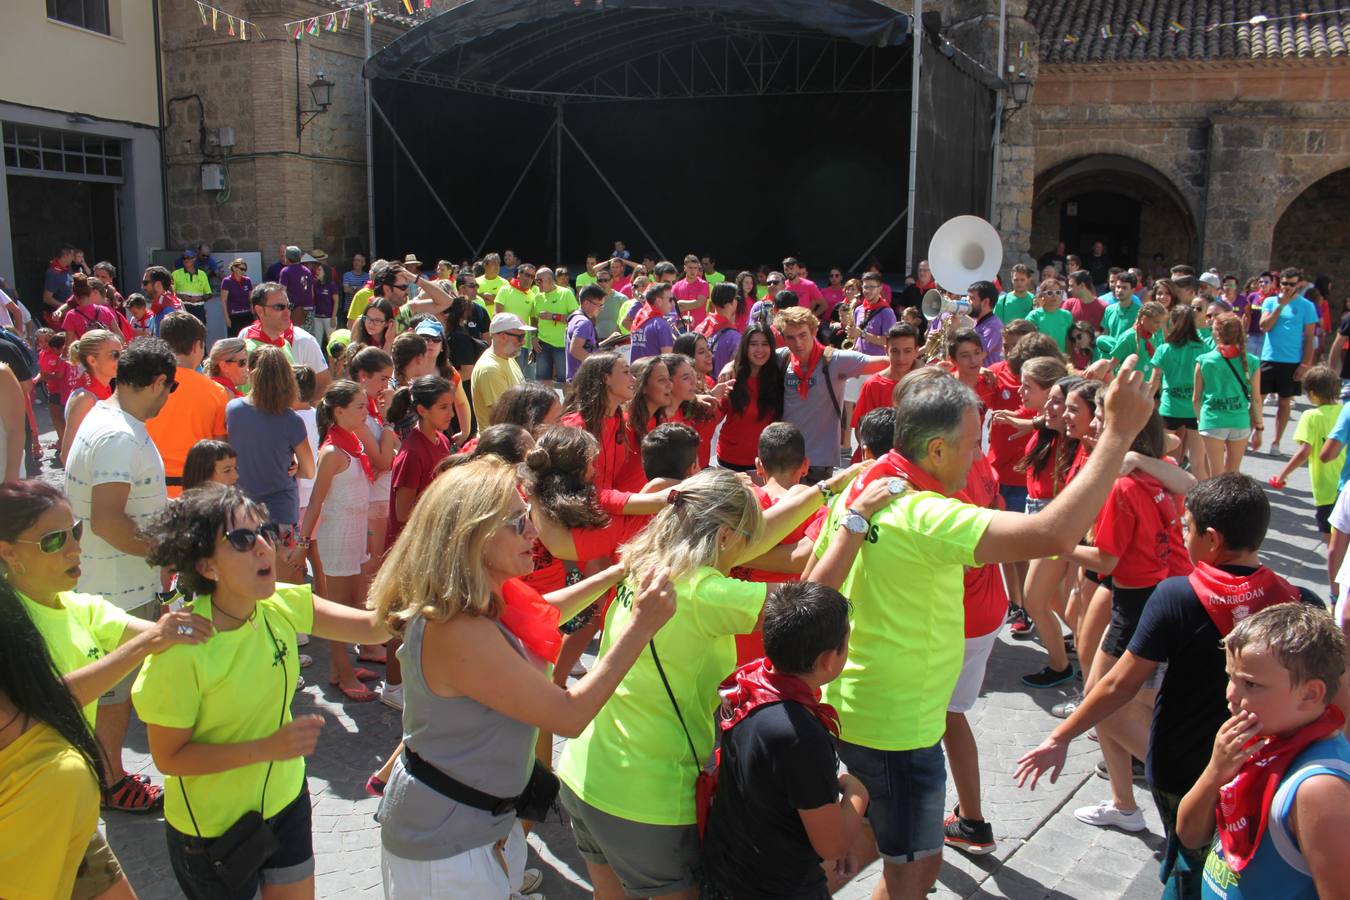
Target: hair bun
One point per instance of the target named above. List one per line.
(538, 459)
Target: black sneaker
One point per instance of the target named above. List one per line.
(1048, 677)
(1136, 771)
(1021, 624)
(968, 835)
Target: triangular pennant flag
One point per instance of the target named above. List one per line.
(346, 16)
(229, 23)
(1070, 38)
(426, 4)
(1175, 27)
(1106, 31)
(332, 22)
(407, 4)
(299, 30)
(1138, 28)
(201, 11)
(215, 13)
(314, 26)
(243, 29)
(370, 14)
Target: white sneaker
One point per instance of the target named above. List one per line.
(302, 640)
(391, 695)
(1105, 815)
(533, 878)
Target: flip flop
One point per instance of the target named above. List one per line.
(358, 695)
(368, 658)
(363, 674)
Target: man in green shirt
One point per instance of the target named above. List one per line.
(553, 304)
(906, 585)
(1120, 316)
(517, 297)
(191, 285)
(1017, 303)
(588, 276)
(491, 281)
(710, 273)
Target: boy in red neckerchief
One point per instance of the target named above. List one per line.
(1275, 797)
(902, 349)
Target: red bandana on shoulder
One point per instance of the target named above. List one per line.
(350, 444)
(759, 685)
(1230, 598)
(94, 386)
(255, 332)
(531, 618)
(1244, 802)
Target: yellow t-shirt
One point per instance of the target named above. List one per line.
(360, 300)
(48, 811)
(633, 760)
(492, 375)
(490, 285)
(907, 589)
(235, 688)
(85, 628)
(194, 285)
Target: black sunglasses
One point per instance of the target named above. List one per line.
(243, 539)
(1288, 284)
(278, 306)
(53, 541)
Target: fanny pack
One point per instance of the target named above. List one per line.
(533, 803)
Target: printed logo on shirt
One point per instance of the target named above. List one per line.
(624, 595)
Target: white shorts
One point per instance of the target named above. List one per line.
(1226, 434)
(852, 390)
(967, 689)
(476, 873)
(1340, 513)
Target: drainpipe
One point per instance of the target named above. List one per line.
(163, 150)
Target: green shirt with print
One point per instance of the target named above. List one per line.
(1119, 318)
(1055, 323)
(1177, 364)
(560, 302)
(1227, 390)
(82, 628)
(1127, 344)
(490, 286)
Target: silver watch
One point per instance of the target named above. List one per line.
(855, 522)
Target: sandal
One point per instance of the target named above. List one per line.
(366, 657)
(131, 795)
(357, 695)
(366, 675)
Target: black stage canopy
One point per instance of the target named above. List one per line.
(751, 129)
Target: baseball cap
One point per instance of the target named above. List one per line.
(430, 328)
(338, 341)
(503, 322)
(1211, 279)
(191, 251)
(307, 259)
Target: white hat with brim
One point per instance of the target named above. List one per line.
(503, 322)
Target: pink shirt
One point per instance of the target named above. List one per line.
(684, 289)
(807, 292)
(833, 296)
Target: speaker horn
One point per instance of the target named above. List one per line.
(935, 303)
(964, 250)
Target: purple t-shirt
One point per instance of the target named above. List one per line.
(298, 281)
(1251, 302)
(273, 272)
(325, 298)
(654, 334)
(579, 326)
(723, 344)
(236, 294)
(872, 341)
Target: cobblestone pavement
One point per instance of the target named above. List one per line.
(1043, 852)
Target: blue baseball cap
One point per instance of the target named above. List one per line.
(431, 328)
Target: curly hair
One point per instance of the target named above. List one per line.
(588, 394)
(187, 530)
(555, 476)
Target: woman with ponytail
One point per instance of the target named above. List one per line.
(1227, 397)
(96, 354)
(372, 369)
(1174, 374)
(336, 515)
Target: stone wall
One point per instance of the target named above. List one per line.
(1314, 232)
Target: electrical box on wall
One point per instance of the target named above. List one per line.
(213, 177)
(218, 139)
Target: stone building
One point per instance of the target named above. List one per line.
(1224, 146)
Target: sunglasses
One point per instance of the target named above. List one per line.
(279, 306)
(1288, 284)
(53, 541)
(241, 361)
(173, 386)
(519, 522)
(243, 539)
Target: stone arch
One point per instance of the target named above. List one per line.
(1128, 203)
(1311, 233)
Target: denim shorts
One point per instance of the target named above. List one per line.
(292, 862)
(908, 793)
(1014, 496)
(550, 363)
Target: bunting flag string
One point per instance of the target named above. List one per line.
(235, 26)
(340, 19)
(1139, 29)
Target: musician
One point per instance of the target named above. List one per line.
(982, 296)
(873, 318)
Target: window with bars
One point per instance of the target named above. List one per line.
(61, 154)
(88, 14)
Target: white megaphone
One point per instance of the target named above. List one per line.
(935, 304)
(964, 250)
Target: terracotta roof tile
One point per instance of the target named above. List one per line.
(1095, 31)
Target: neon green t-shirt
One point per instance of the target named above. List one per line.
(1102, 346)
(907, 589)
(761, 291)
(85, 628)
(1055, 323)
(234, 688)
(491, 285)
(196, 284)
(360, 300)
(1178, 377)
(1312, 429)
(1119, 318)
(624, 309)
(1226, 402)
(584, 279)
(1017, 306)
(560, 302)
(1128, 343)
(633, 761)
(713, 278)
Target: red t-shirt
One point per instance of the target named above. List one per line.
(738, 443)
(876, 392)
(985, 596)
(414, 467)
(1140, 526)
(1005, 449)
(1041, 485)
(1090, 312)
(614, 452)
(705, 431)
(631, 477)
(605, 541)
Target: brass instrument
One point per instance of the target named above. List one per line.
(851, 331)
(954, 309)
(964, 250)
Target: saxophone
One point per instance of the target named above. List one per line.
(851, 330)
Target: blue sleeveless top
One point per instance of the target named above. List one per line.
(1278, 870)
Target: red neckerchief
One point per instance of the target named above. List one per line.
(56, 266)
(714, 323)
(227, 385)
(515, 283)
(643, 315)
(1244, 802)
(94, 386)
(881, 301)
(1229, 351)
(925, 286)
(167, 300)
(373, 409)
(757, 684)
(255, 332)
(348, 443)
(1230, 598)
(803, 379)
(531, 618)
(893, 465)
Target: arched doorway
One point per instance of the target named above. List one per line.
(1128, 205)
(1312, 234)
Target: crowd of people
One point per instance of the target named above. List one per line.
(796, 518)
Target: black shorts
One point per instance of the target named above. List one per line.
(1278, 378)
(1175, 422)
(1323, 516)
(1127, 607)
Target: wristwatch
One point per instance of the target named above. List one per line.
(855, 522)
(825, 491)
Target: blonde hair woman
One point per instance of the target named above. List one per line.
(96, 352)
(628, 780)
(1227, 397)
(477, 646)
